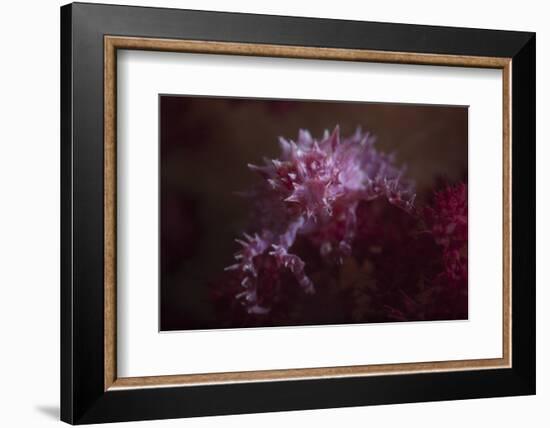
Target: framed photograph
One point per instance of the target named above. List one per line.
(267, 213)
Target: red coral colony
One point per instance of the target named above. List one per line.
(336, 237)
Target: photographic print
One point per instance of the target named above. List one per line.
(294, 212)
(234, 202)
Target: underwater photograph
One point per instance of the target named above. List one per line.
(277, 212)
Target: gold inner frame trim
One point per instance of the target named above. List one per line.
(113, 43)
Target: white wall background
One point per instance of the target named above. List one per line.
(29, 214)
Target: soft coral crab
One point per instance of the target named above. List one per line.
(312, 190)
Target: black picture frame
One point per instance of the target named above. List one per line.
(83, 396)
